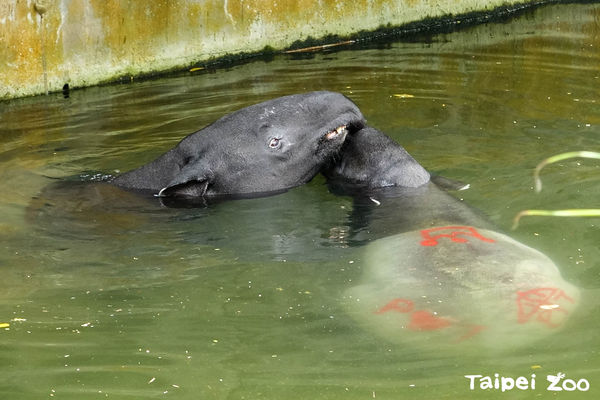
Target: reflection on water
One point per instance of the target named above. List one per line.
(115, 296)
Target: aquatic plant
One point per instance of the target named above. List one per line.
(585, 212)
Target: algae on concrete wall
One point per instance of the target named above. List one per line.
(46, 44)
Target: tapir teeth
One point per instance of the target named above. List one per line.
(337, 131)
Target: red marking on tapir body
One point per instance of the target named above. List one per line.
(398, 305)
(541, 303)
(425, 321)
(454, 235)
(420, 320)
(474, 330)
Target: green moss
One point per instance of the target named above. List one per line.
(385, 33)
(268, 50)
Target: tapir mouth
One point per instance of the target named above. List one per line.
(341, 130)
(345, 128)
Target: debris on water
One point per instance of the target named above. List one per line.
(317, 48)
(95, 177)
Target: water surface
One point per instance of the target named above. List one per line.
(244, 299)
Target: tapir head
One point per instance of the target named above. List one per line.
(266, 147)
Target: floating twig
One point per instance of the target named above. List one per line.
(318, 48)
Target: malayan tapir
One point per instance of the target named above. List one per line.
(436, 273)
(264, 148)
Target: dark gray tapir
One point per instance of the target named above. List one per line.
(266, 147)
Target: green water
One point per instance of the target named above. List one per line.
(243, 300)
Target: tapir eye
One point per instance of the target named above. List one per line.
(274, 143)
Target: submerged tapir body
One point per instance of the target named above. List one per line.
(266, 147)
(437, 274)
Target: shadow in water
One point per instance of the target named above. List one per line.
(304, 223)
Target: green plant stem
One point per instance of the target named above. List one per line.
(590, 212)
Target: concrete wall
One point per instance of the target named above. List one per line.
(45, 44)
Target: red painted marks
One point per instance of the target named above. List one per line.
(454, 233)
(542, 304)
(398, 305)
(474, 330)
(422, 320)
